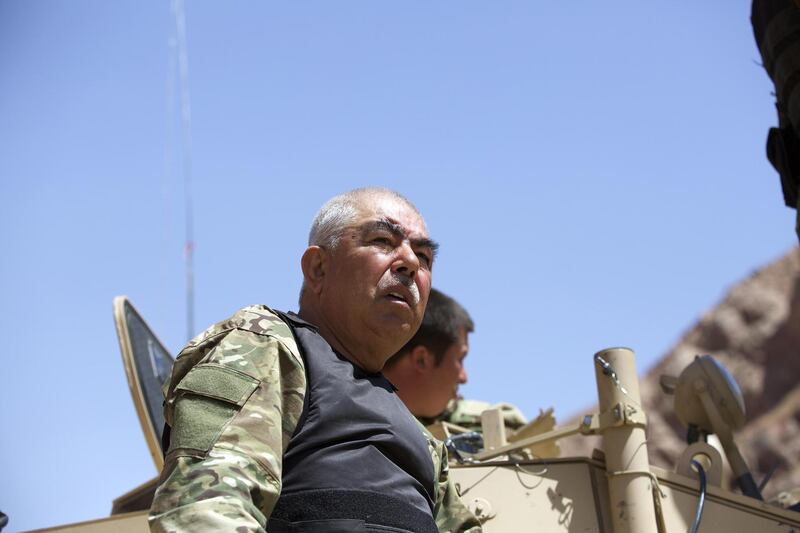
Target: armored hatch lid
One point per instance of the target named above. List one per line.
(147, 366)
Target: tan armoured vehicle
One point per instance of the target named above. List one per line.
(510, 488)
(516, 483)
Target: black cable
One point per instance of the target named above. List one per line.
(692, 434)
(767, 477)
(701, 502)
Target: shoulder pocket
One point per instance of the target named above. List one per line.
(208, 397)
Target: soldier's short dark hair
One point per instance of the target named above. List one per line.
(444, 319)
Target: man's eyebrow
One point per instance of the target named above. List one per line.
(426, 243)
(397, 229)
(383, 224)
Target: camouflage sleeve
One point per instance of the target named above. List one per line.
(450, 513)
(231, 415)
(467, 414)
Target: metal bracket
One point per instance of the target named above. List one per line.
(622, 414)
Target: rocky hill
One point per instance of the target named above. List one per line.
(755, 332)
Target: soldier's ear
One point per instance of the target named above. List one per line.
(314, 264)
(421, 358)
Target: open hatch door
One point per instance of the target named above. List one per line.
(147, 365)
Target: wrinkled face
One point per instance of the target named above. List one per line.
(378, 280)
(445, 378)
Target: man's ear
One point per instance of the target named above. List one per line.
(314, 264)
(421, 358)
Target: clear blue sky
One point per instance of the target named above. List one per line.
(594, 171)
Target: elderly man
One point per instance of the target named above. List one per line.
(284, 421)
(429, 368)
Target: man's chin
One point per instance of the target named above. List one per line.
(390, 339)
(397, 326)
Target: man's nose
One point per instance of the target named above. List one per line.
(407, 262)
(462, 376)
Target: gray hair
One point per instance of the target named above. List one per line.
(341, 211)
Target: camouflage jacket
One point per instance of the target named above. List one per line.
(467, 414)
(233, 401)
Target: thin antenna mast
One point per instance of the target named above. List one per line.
(186, 127)
(167, 224)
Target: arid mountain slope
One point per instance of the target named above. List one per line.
(755, 332)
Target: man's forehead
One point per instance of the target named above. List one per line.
(383, 212)
(385, 206)
(389, 209)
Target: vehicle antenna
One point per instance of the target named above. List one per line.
(186, 127)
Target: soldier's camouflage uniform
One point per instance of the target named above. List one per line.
(467, 414)
(233, 401)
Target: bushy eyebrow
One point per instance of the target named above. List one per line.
(397, 230)
(427, 243)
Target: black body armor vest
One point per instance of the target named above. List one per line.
(357, 461)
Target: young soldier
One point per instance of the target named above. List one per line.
(429, 368)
